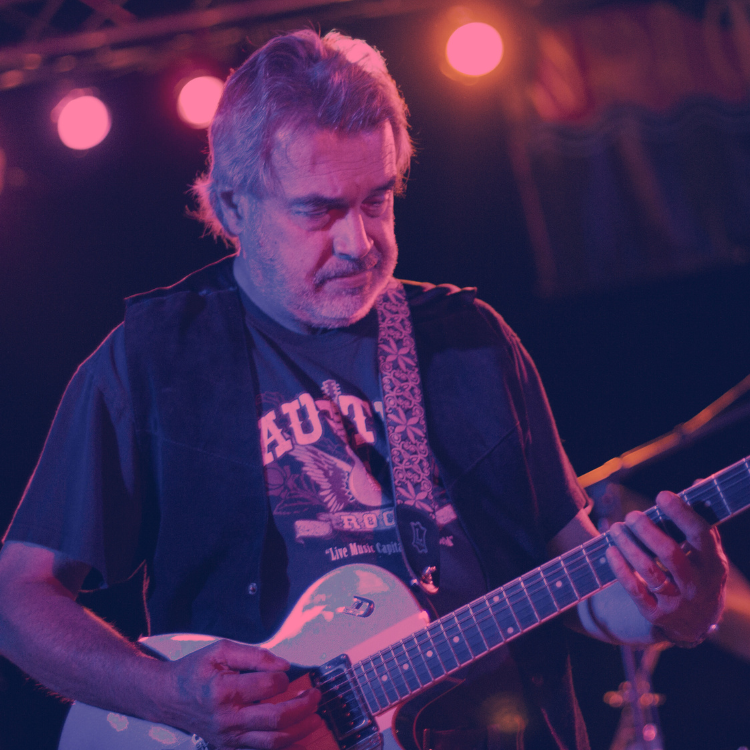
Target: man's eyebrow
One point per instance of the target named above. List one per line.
(316, 200)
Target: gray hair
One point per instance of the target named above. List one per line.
(295, 81)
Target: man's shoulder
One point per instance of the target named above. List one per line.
(424, 294)
(216, 277)
(445, 301)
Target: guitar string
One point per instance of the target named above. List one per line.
(390, 659)
(578, 560)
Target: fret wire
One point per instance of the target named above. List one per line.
(486, 611)
(420, 664)
(497, 598)
(543, 582)
(374, 704)
(570, 555)
(486, 623)
(397, 679)
(531, 601)
(484, 647)
(532, 592)
(721, 495)
(406, 669)
(522, 607)
(578, 563)
(553, 568)
(376, 685)
(520, 594)
(435, 654)
(444, 634)
(586, 552)
(457, 642)
(737, 480)
(539, 589)
(437, 636)
(734, 477)
(393, 659)
(387, 684)
(739, 485)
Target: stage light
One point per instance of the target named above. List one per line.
(474, 49)
(82, 120)
(198, 99)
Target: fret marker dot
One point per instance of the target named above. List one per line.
(495, 598)
(558, 585)
(405, 667)
(509, 630)
(602, 560)
(456, 639)
(384, 678)
(429, 653)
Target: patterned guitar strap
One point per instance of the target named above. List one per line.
(411, 470)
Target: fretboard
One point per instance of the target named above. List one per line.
(466, 635)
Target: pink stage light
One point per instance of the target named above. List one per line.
(474, 49)
(198, 99)
(82, 121)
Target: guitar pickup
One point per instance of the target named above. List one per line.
(342, 706)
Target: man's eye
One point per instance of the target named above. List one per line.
(377, 204)
(315, 213)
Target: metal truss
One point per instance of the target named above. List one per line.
(44, 40)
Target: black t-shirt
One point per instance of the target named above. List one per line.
(326, 462)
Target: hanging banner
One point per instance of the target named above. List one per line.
(636, 162)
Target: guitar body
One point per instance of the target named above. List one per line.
(355, 610)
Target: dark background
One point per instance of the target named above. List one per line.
(79, 232)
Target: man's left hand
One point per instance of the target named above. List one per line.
(680, 588)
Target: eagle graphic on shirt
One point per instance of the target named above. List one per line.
(340, 483)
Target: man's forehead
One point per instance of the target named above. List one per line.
(325, 160)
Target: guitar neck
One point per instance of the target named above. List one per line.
(466, 635)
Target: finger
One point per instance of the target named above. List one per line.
(637, 558)
(284, 715)
(249, 687)
(668, 554)
(695, 528)
(283, 737)
(243, 657)
(633, 584)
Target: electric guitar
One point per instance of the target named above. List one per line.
(370, 648)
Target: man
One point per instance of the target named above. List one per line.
(231, 434)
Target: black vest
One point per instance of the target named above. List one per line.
(206, 513)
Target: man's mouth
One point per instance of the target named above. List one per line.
(350, 276)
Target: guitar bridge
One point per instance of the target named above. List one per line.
(343, 707)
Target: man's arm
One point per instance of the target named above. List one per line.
(676, 594)
(211, 692)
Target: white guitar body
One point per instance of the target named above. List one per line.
(355, 610)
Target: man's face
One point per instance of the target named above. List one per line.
(319, 249)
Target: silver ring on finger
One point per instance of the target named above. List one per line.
(661, 587)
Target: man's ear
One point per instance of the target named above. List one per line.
(232, 210)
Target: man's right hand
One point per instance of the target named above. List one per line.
(214, 692)
(218, 692)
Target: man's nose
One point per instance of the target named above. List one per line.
(350, 238)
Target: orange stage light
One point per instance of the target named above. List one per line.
(82, 120)
(198, 99)
(474, 49)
